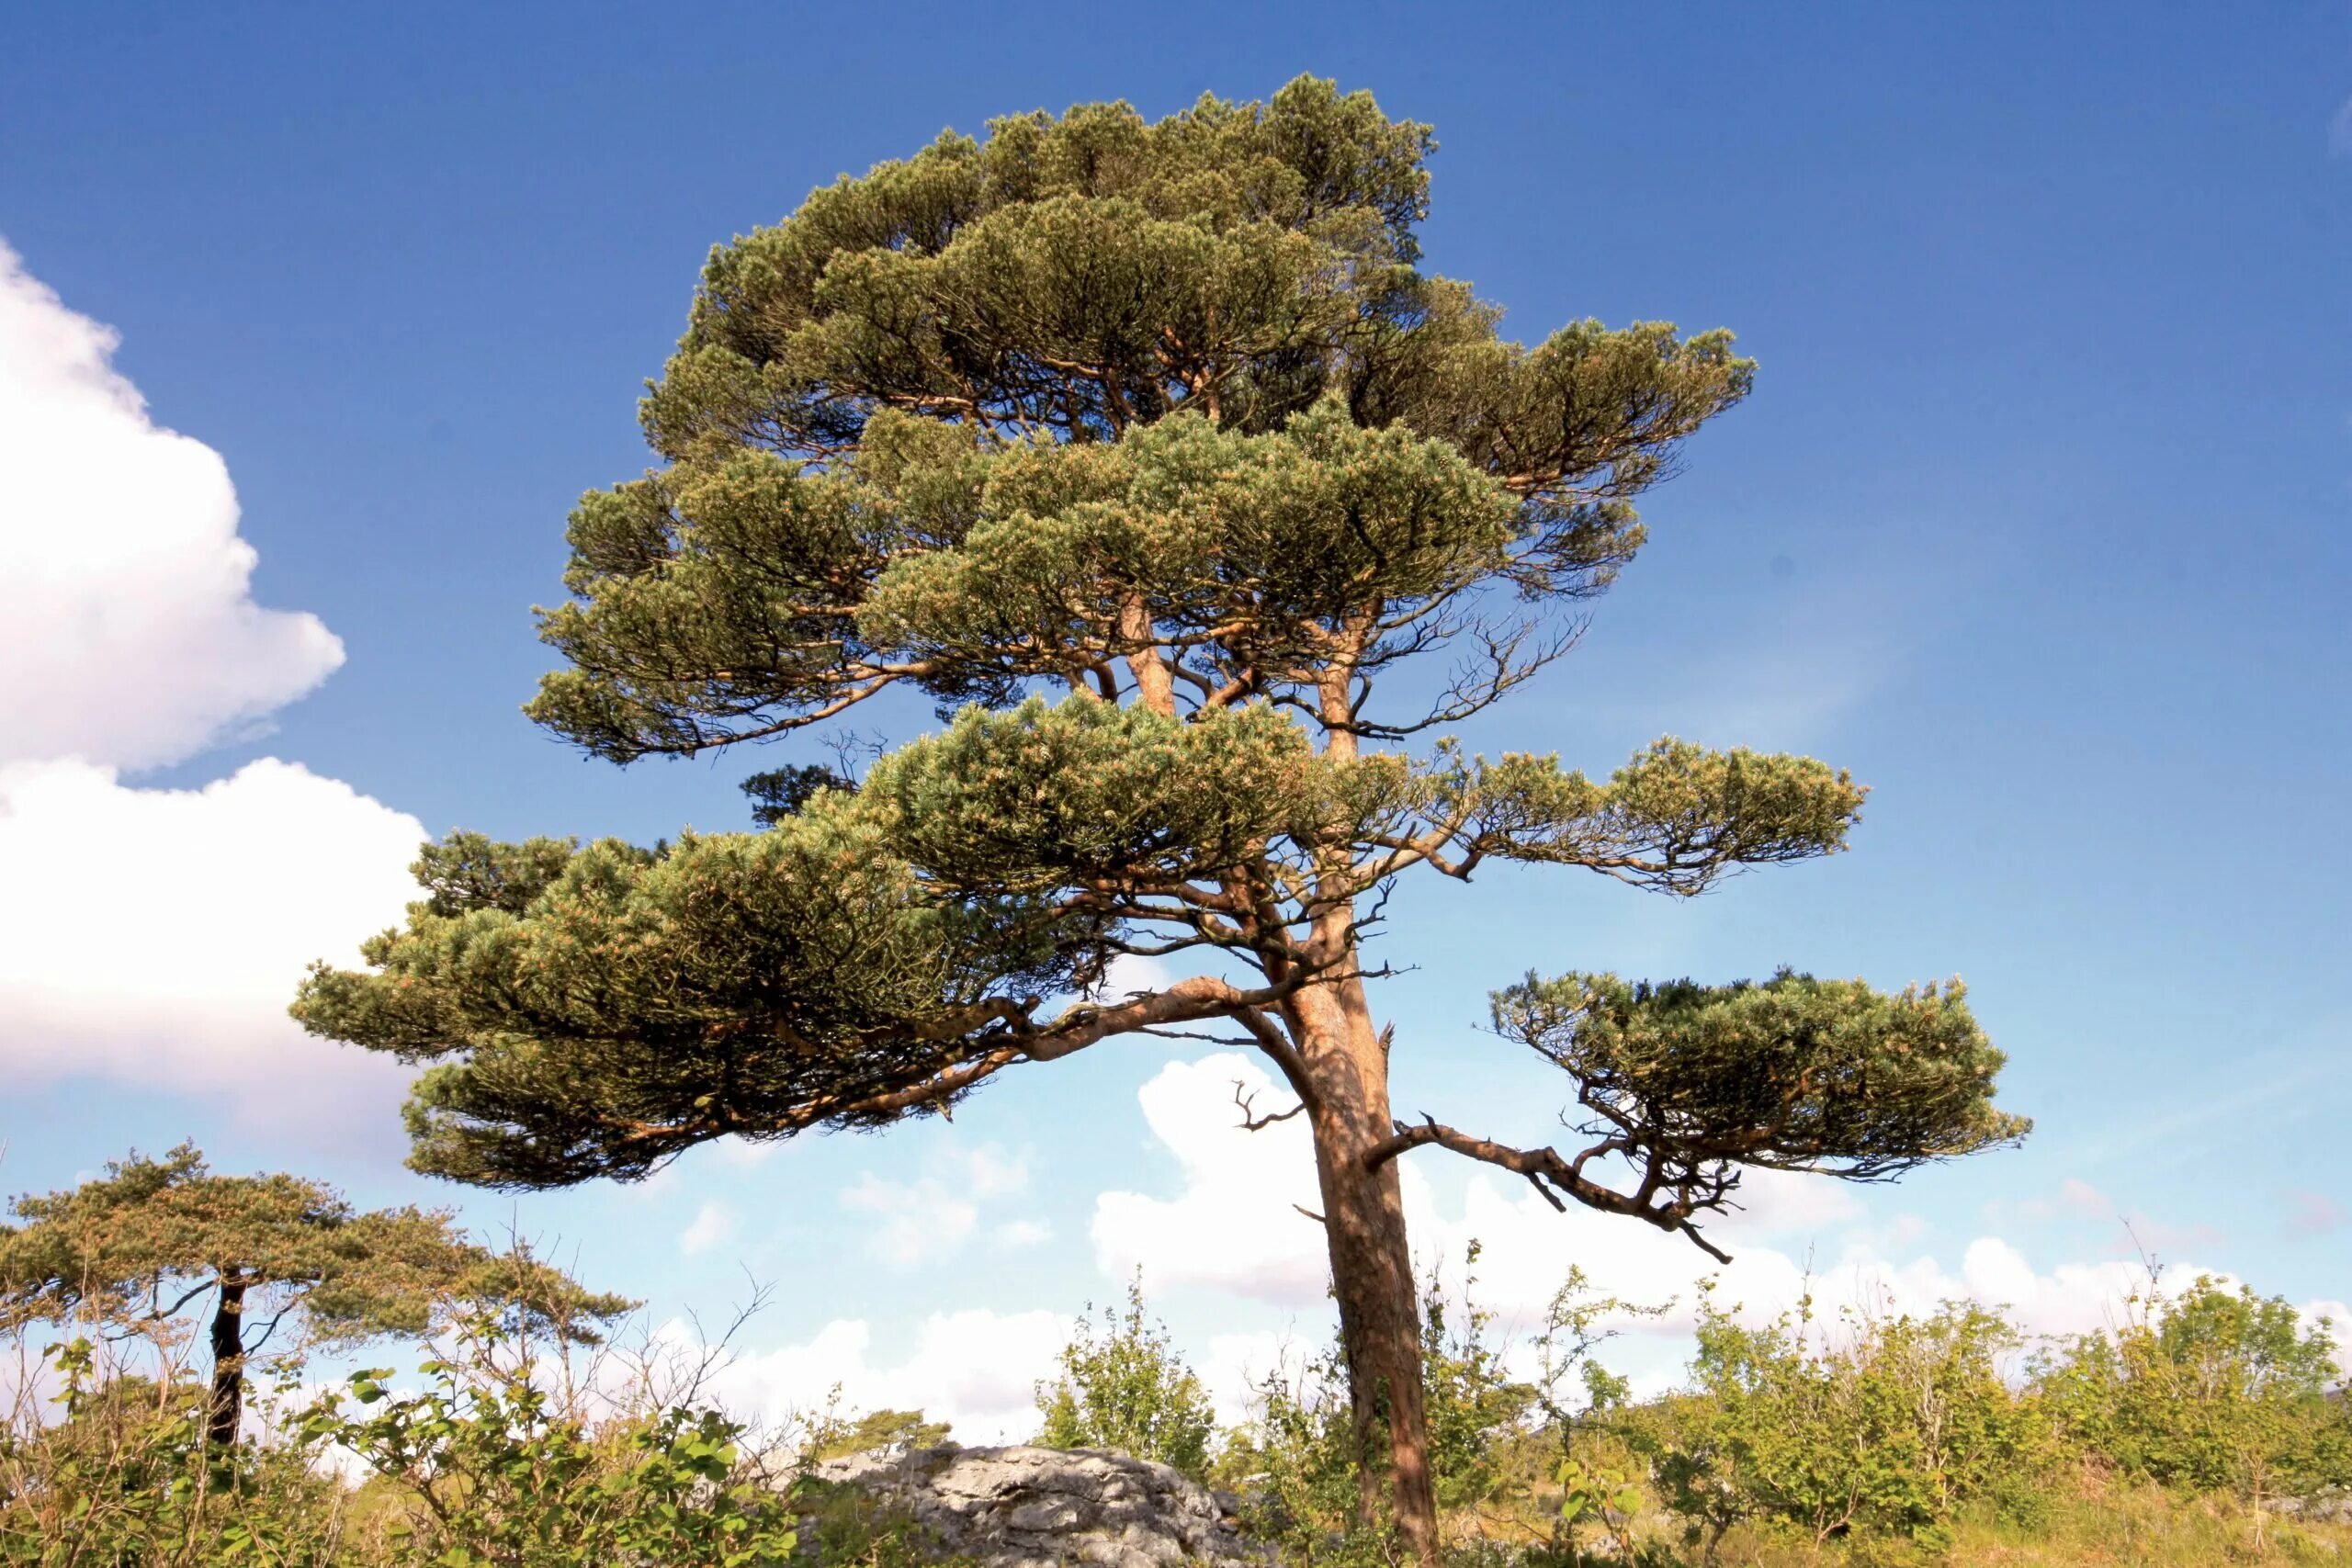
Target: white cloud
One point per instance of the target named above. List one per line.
(126, 630)
(2339, 131)
(1236, 1367)
(1023, 1233)
(154, 937)
(713, 1224)
(990, 1171)
(932, 1218)
(977, 1370)
(1132, 975)
(1230, 1226)
(1234, 1225)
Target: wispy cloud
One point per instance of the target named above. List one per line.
(2315, 1214)
(713, 1224)
(2339, 132)
(932, 1216)
(2309, 1069)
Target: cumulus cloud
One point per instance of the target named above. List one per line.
(154, 937)
(932, 1216)
(977, 1370)
(126, 629)
(1234, 1225)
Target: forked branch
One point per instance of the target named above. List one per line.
(1661, 1198)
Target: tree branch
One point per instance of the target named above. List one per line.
(1253, 1123)
(1548, 1172)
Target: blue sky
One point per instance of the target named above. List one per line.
(2037, 521)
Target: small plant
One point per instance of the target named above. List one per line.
(1608, 1495)
(496, 1463)
(1125, 1387)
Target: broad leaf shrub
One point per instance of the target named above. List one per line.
(118, 1474)
(1123, 1386)
(1872, 1427)
(2214, 1390)
(495, 1471)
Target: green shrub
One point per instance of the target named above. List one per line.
(1124, 1387)
(1880, 1434)
(1498, 1442)
(497, 1461)
(123, 1477)
(2214, 1390)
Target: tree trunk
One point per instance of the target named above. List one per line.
(1371, 1261)
(228, 1408)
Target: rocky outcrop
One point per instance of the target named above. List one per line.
(1030, 1507)
(2332, 1506)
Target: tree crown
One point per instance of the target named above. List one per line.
(151, 1235)
(1151, 454)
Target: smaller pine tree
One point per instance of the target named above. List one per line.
(1124, 1387)
(155, 1239)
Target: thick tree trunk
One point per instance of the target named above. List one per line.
(228, 1408)
(1372, 1262)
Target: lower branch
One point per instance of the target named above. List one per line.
(1552, 1175)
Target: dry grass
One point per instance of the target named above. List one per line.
(2091, 1520)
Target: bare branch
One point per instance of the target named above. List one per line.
(1250, 1121)
(1550, 1174)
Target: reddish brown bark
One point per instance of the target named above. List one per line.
(1346, 1061)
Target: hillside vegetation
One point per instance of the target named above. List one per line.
(2204, 1427)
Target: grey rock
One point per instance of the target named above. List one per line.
(2332, 1507)
(1032, 1507)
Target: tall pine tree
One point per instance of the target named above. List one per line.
(1150, 454)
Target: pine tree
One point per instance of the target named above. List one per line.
(155, 1238)
(1163, 421)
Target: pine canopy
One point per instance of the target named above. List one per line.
(153, 1236)
(1147, 453)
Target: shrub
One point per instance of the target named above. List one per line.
(2214, 1390)
(505, 1459)
(1881, 1432)
(124, 1476)
(1124, 1387)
